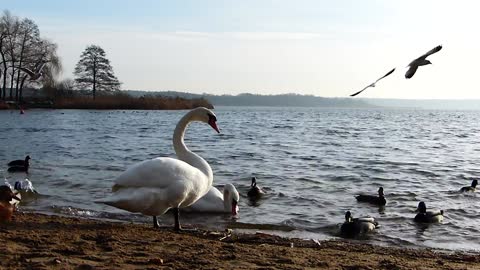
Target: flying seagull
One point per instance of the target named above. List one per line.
(420, 61)
(373, 84)
(34, 75)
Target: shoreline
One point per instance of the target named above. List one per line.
(40, 241)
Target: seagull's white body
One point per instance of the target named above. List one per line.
(420, 61)
(152, 187)
(217, 202)
(372, 84)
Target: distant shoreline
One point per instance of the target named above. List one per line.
(122, 102)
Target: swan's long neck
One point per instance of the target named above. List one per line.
(183, 153)
(227, 201)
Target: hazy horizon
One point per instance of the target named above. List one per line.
(321, 48)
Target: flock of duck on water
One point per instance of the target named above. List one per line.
(155, 186)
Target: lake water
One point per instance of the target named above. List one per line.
(311, 162)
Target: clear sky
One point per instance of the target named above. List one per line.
(325, 48)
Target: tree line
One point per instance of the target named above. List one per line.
(29, 60)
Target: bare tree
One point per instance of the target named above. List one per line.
(3, 70)
(94, 70)
(21, 50)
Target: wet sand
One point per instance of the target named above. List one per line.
(36, 241)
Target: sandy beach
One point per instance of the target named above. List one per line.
(37, 241)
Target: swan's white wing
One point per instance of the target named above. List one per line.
(158, 172)
(411, 71)
(211, 202)
(140, 200)
(152, 187)
(390, 72)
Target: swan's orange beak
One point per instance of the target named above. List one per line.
(213, 124)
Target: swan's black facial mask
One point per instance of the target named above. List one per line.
(212, 121)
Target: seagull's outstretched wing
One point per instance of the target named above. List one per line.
(28, 71)
(34, 75)
(423, 57)
(373, 84)
(432, 51)
(354, 94)
(390, 72)
(411, 71)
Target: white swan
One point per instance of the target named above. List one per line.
(216, 202)
(154, 186)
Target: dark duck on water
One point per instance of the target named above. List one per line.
(425, 216)
(255, 192)
(19, 162)
(471, 188)
(373, 199)
(353, 227)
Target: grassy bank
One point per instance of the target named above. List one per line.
(130, 103)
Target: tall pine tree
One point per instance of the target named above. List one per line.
(93, 71)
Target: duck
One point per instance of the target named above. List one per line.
(25, 186)
(18, 168)
(471, 188)
(255, 192)
(353, 227)
(425, 216)
(377, 200)
(217, 202)
(152, 187)
(20, 162)
(6, 208)
(24, 190)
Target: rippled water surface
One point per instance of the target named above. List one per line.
(311, 161)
